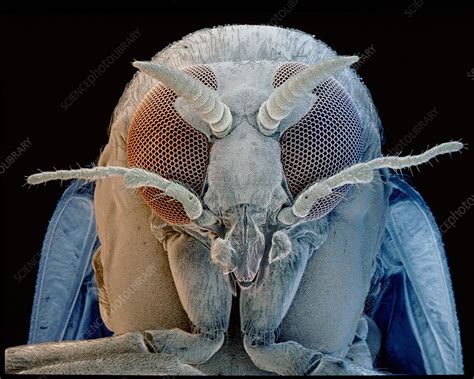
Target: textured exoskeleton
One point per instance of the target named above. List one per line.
(257, 152)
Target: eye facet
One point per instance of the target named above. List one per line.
(329, 138)
(159, 140)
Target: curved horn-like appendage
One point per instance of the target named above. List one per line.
(285, 97)
(358, 173)
(133, 178)
(200, 97)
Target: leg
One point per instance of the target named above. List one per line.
(335, 285)
(205, 298)
(204, 295)
(103, 356)
(120, 364)
(262, 310)
(25, 357)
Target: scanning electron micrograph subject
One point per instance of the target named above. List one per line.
(243, 220)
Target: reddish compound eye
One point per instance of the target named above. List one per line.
(326, 140)
(159, 140)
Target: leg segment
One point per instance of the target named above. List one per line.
(262, 310)
(205, 297)
(25, 357)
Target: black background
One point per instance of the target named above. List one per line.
(420, 62)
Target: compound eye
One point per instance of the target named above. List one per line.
(159, 140)
(329, 138)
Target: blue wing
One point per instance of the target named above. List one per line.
(416, 311)
(65, 305)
